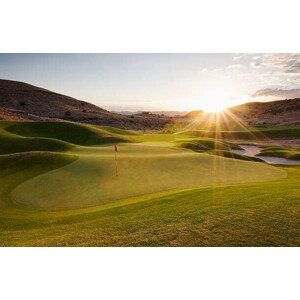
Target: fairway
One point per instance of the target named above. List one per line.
(142, 169)
(59, 187)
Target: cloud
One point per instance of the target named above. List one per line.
(294, 68)
(288, 62)
(255, 64)
(277, 93)
(256, 57)
(294, 79)
(235, 66)
(239, 56)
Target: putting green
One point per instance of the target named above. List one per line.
(142, 169)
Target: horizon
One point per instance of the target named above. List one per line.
(160, 82)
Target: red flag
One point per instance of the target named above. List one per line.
(116, 148)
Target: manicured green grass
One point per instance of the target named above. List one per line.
(207, 144)
(142, 169)
(164, 195)
(254, 133)
(286, 152)
(235, 155)
(214, 147)
(12, 143)
(18, 167)
(74, 133)
(253, 214)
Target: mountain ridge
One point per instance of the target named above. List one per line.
(23, 101)
(20, 101)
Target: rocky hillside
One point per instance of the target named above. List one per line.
(282, 112)
(22, 101)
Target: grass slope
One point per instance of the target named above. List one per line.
(273, 132)
(53, 136)
(11, 143)
(74, 133)
(285, 152)
(163, 195)
(215, 147)
(252, 214)
(142, 169)
(19, 167)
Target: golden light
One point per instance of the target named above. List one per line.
(214, 106)
(216, 100)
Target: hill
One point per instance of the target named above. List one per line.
(280, 112)
(21, 101)
(242, 117)
(18, 137)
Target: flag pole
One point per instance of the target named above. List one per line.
(116, 159)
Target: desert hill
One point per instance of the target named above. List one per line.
(21, 101)
(280, 112)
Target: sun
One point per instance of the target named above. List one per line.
(215, 100)
(214, 106)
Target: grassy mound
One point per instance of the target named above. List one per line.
(274, 132)
(285, 152)
(216, 148)
(11, 143)
(79, 134)
(201, 145)
(19, 167)
(235, 155)
(117, 131)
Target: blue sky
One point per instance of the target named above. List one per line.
(159, 81)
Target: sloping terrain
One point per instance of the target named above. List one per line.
(160, 194)
(142, 169)
(51, 136)
(282, 112)
(243, 117)
(21, 101)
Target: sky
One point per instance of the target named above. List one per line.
(181, 82)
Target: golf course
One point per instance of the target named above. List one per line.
(63, 184)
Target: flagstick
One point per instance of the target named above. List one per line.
(116, 163)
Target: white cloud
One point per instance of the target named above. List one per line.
(239, 55)
(235, 66)
(288, 62)
(256, 57)
(277, 93)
